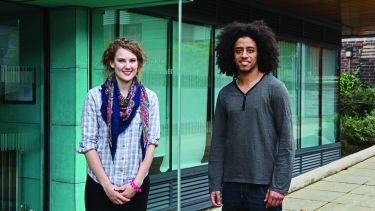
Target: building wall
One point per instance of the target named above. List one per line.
(69, 84)
(363, 56)
(73, 69)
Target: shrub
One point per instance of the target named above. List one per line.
(357, 130)
(355, 98)
(357, 109)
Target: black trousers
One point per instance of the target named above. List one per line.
(245, 197)
(97, 200)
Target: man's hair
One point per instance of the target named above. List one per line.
(268, 52)
(128, 44)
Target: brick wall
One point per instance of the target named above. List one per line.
(363, 55)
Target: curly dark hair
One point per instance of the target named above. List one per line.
(263, 36)
(128, 44)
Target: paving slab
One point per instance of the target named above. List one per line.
(360, 171)
(298, 204)
(333, 186)
(315, 195)
(370, 182)
(372, 159)
(342, 207)
(368, 202)
(352, 199)
(365, 165)
(348, 178)
(364, 190)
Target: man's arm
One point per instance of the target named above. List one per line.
(282, 174)
(216, 158)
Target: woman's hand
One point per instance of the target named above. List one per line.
(115, 194)
(128, 191)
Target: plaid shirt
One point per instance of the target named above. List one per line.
(129, 153)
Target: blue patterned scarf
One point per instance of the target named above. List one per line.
(118, 111)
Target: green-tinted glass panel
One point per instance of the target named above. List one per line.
(21, 107)
(103, 32)
(288, 73)
(152, 33)
(329, 100)
(310, 97)
(194, 93)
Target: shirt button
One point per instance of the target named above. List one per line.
(123, 158)
(123, 145)
(121, 170)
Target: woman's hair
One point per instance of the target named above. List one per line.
(128, 44)
(268, 52)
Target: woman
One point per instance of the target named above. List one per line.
(120, 130)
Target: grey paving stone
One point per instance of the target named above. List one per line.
(360, 171)
(333, 186)
(298, 204)
(342, 207)
(352, 199)
(348, 178)
(315, 195)
(371, 182)
(365, 165)
(364, 190)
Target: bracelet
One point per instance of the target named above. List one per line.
(135, 186)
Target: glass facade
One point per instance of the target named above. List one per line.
(329, 95)
(21, 108)
(288, 72)
(311, 77)
(308, 71)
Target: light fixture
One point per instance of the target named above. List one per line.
(348, 53)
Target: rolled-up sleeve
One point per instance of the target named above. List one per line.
(89, 125)
(154, 121)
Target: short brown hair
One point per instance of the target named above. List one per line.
(128, 44)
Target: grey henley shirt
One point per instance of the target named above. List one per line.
(252, 139)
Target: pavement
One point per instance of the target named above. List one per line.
(346, 184)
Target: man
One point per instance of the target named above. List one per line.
(252, 149)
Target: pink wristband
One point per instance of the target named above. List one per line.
(135, 186)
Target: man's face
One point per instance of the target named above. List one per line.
(245, 54)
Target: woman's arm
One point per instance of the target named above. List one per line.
(145, 165)
(129, 191)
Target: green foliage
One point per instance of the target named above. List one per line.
(358, 130)
(349, 82)
(357, 109)
(355, 98)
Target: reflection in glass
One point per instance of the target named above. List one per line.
(194, 94)
(329, 88)
(288, 73)
(310, 96)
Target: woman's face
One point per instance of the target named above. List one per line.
(125, 65)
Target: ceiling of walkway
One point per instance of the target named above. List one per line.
(95, 3)
(356, 16)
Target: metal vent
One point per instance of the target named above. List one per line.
(194, 190)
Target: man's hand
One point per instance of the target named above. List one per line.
(273, 198)
(216, 199)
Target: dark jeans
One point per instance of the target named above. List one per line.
(241, 197)
(97, 200)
